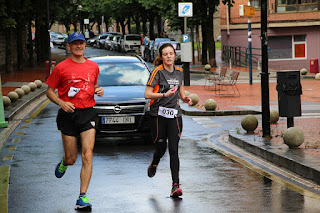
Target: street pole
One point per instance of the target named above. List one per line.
(250, 48)
(186, 65)
(48, 16)
(265, 73)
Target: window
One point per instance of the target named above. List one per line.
(255, 3)
(297, 5)
(287, 47)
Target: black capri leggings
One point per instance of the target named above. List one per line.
(161, 130)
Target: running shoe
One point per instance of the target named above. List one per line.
(60, 169)
(175, 191)
(152, 169)
(83, 204)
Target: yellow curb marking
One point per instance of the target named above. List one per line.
(28, 121)
(12, 148)
(8, 157)
(33, 115)
(16, 140)
(5, 170)
(20, 133)
(24, 127)
(4, 188)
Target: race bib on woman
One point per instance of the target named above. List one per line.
(167, 112)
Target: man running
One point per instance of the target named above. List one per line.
(76, 80)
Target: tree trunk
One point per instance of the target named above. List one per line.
(20, 49)
(204, 59)
(75, 26)
(159, 25)
(198, 43)
(44, 43)
(211, 43)
(30, 45)
(151, 27)
(137, 22)
(123, 26)
(37, 39)
(144, 24)
(9, 51)
(129, 25)
(192, 42)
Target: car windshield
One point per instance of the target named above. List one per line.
(131, 38)
(122, 74)
(161, 39)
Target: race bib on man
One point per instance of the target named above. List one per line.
(167, 112)
(73, 91)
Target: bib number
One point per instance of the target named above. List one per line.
(167, 112)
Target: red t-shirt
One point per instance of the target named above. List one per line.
(83, 76)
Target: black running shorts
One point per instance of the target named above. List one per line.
(80, 120)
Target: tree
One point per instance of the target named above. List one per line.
(8, 23)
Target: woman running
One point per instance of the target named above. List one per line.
(163, 88)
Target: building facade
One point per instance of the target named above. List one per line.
(293, 31)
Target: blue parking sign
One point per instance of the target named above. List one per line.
(185, 38)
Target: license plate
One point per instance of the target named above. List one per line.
(118, 120)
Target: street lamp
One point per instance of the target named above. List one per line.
(79, 8)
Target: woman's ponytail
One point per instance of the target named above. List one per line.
(157, 61)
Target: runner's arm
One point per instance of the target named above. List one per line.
(149, 94)
(66, 106)
(184, 98)
(98, 90)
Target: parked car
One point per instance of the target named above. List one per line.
(107, 43)
(123, 110)
(115, 43)
(155, 49)
(131, 42)
(176, 45)
(56, 39)
(93, 40)
(148, 51)
(100, 41)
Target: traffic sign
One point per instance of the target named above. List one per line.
(185, 9)
(245, 10)
(185, 38)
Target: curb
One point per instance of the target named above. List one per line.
(278, 154)
(193, 111)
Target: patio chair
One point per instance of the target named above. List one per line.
(210, 76)
(232, 82)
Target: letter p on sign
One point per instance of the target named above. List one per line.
(185, 38)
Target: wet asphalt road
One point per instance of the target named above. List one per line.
(210, 181)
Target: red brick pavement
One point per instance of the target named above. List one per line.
(251, 95)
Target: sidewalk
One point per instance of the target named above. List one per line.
(304, 161)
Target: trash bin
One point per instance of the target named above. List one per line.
(289, 93)
(314, 65)
(48, 72)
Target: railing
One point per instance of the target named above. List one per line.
(240, 55)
